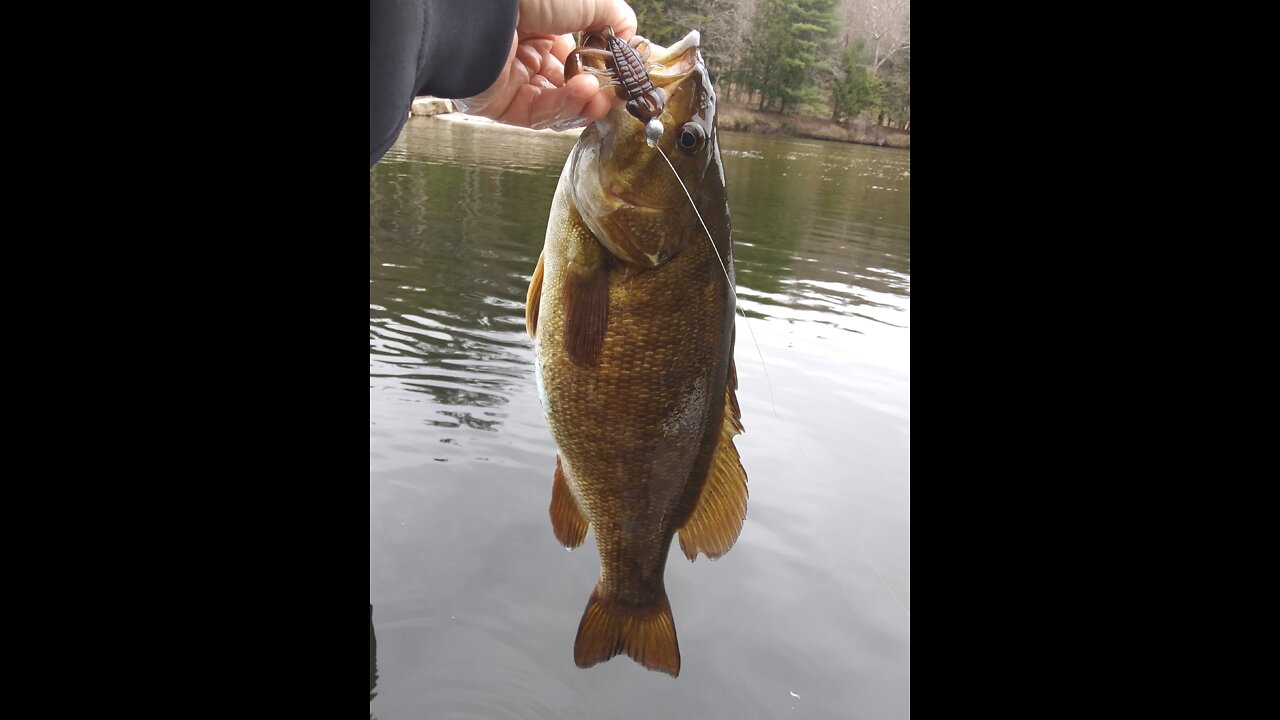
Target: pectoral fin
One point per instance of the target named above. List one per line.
(533, 299)
(586, 308)
(567, 520)
(717, 519)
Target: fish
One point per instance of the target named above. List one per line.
(631, 311)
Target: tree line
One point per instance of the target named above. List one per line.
(832, 58)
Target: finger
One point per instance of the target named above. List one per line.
(531, 50)
(568, 17)
(535, 54)
(562, 46)
(553, 66)
(625, 25)
(582, 97)
(492, 100)
(543, 107)
(553, 71)
(600, 101)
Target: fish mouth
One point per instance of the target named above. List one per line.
(675, 62)
(668, 68)
(624, 188)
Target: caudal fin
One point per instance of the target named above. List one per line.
(647, 634)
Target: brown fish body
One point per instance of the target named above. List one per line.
(632, 316)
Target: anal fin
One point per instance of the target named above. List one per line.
(567, 521)
(716, 521)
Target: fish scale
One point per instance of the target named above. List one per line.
(633, 326)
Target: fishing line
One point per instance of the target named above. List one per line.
(716, 252)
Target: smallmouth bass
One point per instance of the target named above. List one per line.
(631, 309)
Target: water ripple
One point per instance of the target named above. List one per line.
(476, 605)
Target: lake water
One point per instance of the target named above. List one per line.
(475, 605)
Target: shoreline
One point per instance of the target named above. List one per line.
(731, 117)
(860, 131)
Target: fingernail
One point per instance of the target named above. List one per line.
(462, 105)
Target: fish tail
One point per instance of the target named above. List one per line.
(647, 634)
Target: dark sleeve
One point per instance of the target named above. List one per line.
(446, 48)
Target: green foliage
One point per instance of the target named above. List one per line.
(788, 51)
(663, 22)
(897, 80)
(855, 89)
(783, 57)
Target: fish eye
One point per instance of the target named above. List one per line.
(692, 138)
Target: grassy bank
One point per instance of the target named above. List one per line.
(744, 119)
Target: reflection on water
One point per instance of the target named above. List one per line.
(478, 604)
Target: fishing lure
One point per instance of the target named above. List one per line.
(626, 72)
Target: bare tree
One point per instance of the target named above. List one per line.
(724, 24)
(732, 22)
(886, 25)
(725, 33)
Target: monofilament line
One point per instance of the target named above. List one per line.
(716, 252)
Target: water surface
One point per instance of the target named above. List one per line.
(475, 606)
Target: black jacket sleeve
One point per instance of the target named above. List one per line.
(446, 48)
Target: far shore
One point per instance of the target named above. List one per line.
(731, 117)
(862, 130)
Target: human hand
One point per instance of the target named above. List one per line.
(531, 91)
